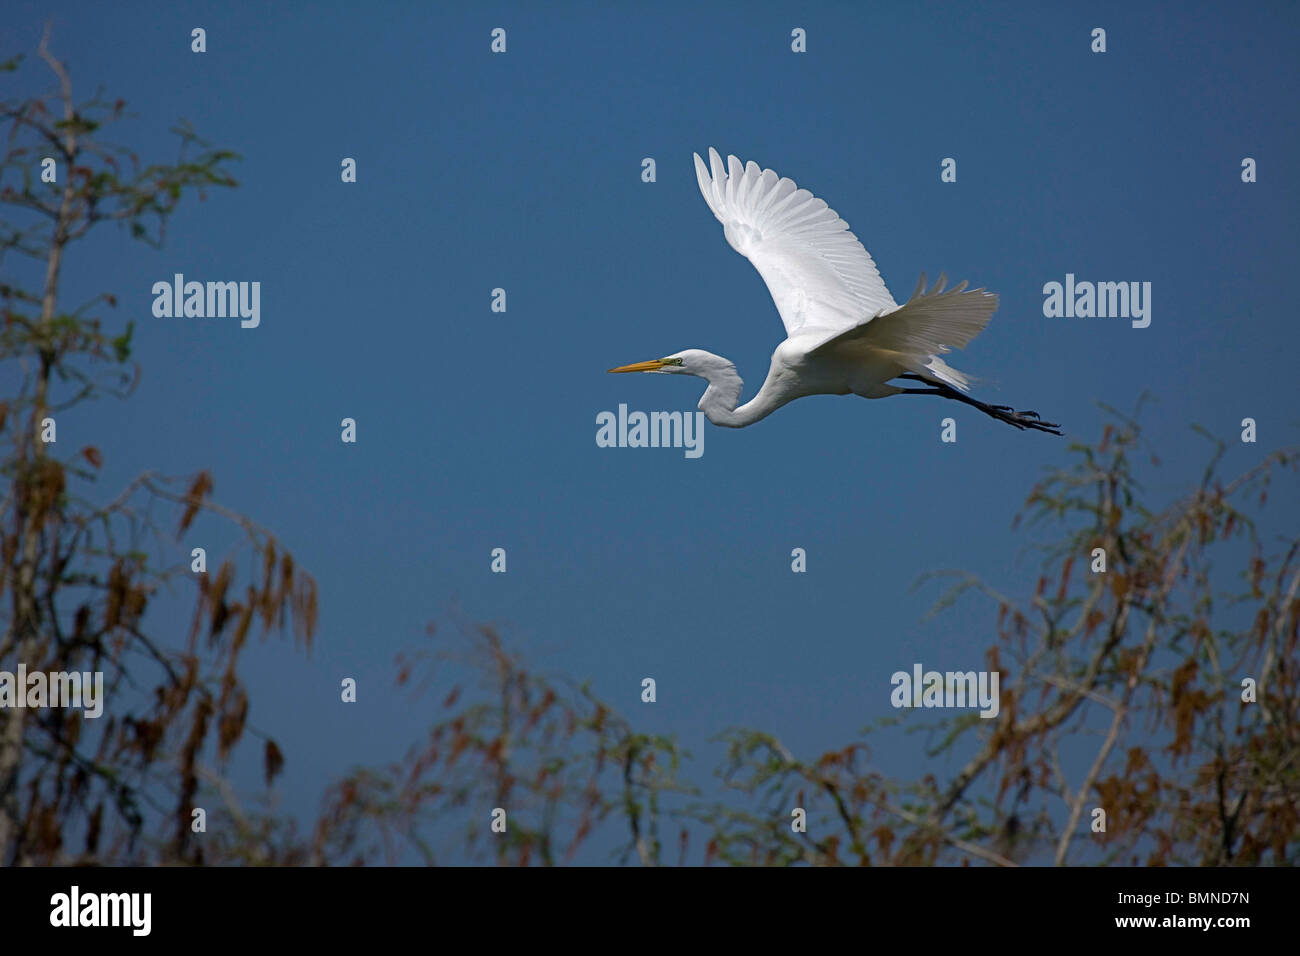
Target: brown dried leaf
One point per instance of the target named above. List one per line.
(194, 499)
(274, 761)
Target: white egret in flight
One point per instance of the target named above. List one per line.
(844, 331)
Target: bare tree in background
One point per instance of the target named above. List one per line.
(77, 574)
(1162, 691)
(558, 761)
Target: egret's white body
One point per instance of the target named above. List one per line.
(844, 331)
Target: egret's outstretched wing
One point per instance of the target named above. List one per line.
(820, 276)
(928, 324)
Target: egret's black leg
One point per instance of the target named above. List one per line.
(1003, 413)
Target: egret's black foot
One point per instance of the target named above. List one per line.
(1032, 420)
(1003, 413)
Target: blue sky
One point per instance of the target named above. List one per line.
(522, 171)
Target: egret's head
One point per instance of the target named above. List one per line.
(688, 362)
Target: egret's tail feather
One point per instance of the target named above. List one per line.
(936, 368)
(933, 322)
(928, 325)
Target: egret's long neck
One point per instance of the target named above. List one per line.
(719, 400)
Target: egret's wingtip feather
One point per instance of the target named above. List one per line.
(818, 272)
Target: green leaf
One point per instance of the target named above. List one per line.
(122, 344)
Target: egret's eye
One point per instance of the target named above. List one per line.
(671, 361)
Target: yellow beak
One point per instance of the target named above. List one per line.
(649, 366)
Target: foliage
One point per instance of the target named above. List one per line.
(1121, 691)
(556, 759)
(79, 574)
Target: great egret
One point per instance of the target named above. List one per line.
(844, 331)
